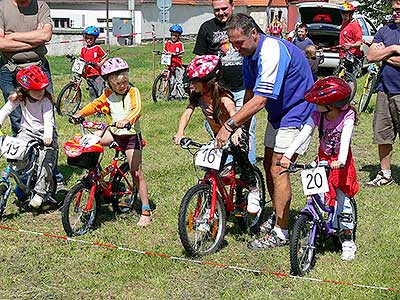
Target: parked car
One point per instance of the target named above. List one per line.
(324, 21)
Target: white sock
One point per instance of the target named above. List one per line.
(387, 173)
(281, 233)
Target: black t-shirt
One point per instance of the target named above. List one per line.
(213, 39)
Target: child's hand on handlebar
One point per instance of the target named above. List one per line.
(285, 162)
(75, 119)
(336, 165)
(47, 141)
(237, 136)
(122, 123)
(177, 138)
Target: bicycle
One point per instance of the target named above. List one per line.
(70, 97)
(23, 165)
(350, 78)
(313, 225)
(205, 207)
(369, 87)
(84, 199)
(165, 81)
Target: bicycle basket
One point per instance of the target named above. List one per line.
(83, 152)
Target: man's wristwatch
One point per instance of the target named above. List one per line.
(231, 124)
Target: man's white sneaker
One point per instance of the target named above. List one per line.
(36, 201)
(253, 201)
(349, 249)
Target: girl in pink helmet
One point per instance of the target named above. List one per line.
(125, 107)
(218, 106)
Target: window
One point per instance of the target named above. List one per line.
(62, 23)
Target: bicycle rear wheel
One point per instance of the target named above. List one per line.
(199, 235)
(337, 241)
(161, 89)
(3, 198)
(78, 216)
(69, 99)
(367, 93)
(302, 245)
(253, 221)
(123, 197)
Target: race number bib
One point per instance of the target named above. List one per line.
(78, 66)
(89, 140)
(166, 59)
(13, 148)
(314, 181)
(209, 157)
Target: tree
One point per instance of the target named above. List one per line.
(375, 9)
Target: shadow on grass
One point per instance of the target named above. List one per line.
(68, 172)
(374, 169)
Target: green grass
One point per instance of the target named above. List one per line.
(35, 267)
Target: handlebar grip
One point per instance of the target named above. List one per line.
(127, 126)
(74, 120)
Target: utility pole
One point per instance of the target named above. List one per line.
(107, 28)
(131, 7)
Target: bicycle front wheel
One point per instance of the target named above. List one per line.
(253, 221)
(3, 198)
(124, 191)
(367, 93)
(161, 89)
(200, 233)
(69, 99)
(302, 245)
(79, 210)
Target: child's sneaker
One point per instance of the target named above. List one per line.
(253, 201)
(36, 201)
(349, 249)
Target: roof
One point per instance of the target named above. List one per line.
(87, 1)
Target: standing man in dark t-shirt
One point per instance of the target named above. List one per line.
(213, 39)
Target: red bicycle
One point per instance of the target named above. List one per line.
(112, 184)
(219, 196)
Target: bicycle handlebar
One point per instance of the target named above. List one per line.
(186, 142)
(295, 166)
(95, 125)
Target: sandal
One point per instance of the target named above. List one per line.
(144, 221)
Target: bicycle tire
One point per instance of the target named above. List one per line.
(3, 199)
(73, 200)
(367, 93)
(198, 236)
(253, 221)
(336, 238)
(161, 89)
(302, 251)
(69, 99)
(123, 203)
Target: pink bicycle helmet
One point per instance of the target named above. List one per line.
(204, 68)
(112, 65)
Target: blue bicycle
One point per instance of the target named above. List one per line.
(313, 225)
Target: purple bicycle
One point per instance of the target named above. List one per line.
(313, 225)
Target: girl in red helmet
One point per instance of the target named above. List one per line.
(124, 104)
(37, 122)
(218, 106)
(335, 121)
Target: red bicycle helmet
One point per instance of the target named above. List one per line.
(331, 90)
(32, 78)
(204, 68)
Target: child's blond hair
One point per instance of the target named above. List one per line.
(311, 52)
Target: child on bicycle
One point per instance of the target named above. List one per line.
(335, 121)
(95, 55)
(176, 49)
(125, 108)
(37, 123)
(218, 106)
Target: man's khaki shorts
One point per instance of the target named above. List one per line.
(281, 138)
(386, 118)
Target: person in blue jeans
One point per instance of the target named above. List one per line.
(21, 47)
